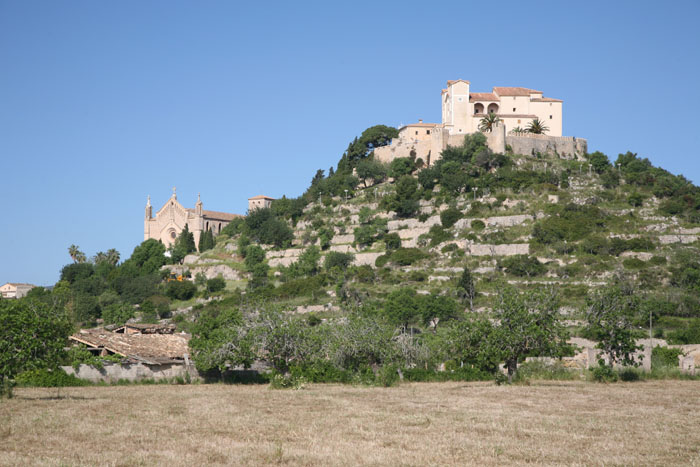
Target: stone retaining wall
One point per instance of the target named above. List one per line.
(113, 372)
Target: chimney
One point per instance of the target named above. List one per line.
(420, 121)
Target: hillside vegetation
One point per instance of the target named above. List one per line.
(378, 268)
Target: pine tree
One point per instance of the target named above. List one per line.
(209, 240)
(202, 244)
(467, 288)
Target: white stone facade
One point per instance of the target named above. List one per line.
(171, 219)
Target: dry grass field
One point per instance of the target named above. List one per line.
(572, 423)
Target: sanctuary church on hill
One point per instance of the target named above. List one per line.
(171, 219)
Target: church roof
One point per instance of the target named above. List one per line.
(508, 91)
(222, 216)
(482, 96)
(450, 82)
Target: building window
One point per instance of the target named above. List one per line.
(427, 132)
(518, 120)
(459, 99)
(416, 131)
(513, 109)
(550, 117)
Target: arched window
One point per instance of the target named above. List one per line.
(218, 231)
(493, 108)
(478, 108)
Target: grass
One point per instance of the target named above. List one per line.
(553, 422)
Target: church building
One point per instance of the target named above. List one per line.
(171, 219)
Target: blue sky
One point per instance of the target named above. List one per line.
(104, 103)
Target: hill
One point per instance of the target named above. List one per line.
(381, 267)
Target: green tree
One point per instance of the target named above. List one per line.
(466, 287)
(527, 324)
(32, 336)
(610, 315)
(405, 200)
(76, 255)
(599, 162)
(537, 127)
(184, 245)
(401, 166)
(371, 169)
(147, 258)
(402, 307)
(435, 308)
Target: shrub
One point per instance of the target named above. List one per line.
(339, 260)
(628, 374)
(665, 356)
(523, 265)
(407, 256)
(382, 260)
(438, 235)
(478, 225)
(177, 290)
(253, 255)
(279, 381)
(364, 273)
(392, 241)
(603, 373)
(216, 284)
(117, 314)
(634, 263)
(449, 217)
(449, 247)
(388, 376)
(635, 199)
(688, 335)
(44, 378)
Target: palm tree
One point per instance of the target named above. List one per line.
(74, 253)
(112, 256)
(537, 127)
(488, 122)
(517, 130)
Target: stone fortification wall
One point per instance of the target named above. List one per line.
(566, 147)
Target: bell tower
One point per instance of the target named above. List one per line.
(147, 219)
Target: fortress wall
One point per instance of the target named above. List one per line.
(567, 147)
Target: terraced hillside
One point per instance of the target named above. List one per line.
(545, 222)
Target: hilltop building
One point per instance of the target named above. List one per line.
(258, 202)
(462, 112)
(15, 290)
(171, 219)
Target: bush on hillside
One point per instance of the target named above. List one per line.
(522, 266)
(449, 217)
(177, 290)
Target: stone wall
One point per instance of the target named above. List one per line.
(113, 372)
(566, 147)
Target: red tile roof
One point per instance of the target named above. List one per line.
(545, 99)
(482, 96)
(450, 82)
(421, 125)
(262, 197)
(508, 91)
